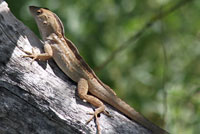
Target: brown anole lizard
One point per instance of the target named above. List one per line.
(67, 57)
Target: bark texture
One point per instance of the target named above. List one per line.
(39, 98)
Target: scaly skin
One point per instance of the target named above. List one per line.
(67, 57)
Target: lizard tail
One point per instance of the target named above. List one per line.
(134, 115)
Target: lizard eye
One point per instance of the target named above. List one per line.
(39, 12)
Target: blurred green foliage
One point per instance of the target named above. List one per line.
(159, 74)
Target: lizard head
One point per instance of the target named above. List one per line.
(47, 22)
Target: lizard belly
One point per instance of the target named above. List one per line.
(65, 63)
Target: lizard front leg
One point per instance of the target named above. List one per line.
(82, 92)
(40, 56)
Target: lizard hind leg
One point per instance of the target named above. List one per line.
(82, 92)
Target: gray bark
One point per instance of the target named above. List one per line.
(39, 98)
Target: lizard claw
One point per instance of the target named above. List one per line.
(107, 113)
(94, 115)
(33, 54)
(90, 113)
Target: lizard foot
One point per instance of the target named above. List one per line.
(95, 115)
(34, 54)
